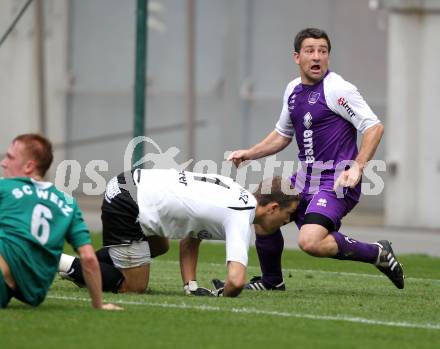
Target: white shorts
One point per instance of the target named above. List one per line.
(130, 256)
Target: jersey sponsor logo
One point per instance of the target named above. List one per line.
(112, 190)
(308, 139)
(182, 178)
(322, 202)
(344, 103)
(313, 97)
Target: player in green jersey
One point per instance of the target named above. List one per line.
(35, 220)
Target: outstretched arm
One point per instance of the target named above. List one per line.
(273, 143)
(370, 142)
(92, 277)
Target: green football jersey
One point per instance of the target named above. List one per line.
(35, 220)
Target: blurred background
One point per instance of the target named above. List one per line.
(216, 74)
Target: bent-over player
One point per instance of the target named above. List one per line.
(167, 204)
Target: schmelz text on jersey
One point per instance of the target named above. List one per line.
(44, 195)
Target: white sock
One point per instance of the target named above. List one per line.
(380, 252)
(65, 263)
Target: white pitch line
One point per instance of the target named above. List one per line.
(253, 311)
(320, 272)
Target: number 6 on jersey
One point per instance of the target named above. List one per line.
(40, 215)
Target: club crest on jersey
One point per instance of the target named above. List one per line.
(313, 97)
(307, 120)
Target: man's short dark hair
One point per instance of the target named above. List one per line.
(313, 33)
(276, 190)
(37, 148)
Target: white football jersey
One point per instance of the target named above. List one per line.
(177, 204)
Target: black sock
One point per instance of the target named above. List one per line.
(112, 278)
(75, 272)
(270, 249)
(104, 256)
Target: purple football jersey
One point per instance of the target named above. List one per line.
(324, 118)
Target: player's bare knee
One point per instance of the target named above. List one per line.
(127, 289)
(133, 286)
(309, 246)
(233, 291)
(139, 289)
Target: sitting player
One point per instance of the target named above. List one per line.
(35, 220)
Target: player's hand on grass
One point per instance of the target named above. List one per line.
(238, 156)
(109, 306)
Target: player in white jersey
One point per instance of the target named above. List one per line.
(142, 209)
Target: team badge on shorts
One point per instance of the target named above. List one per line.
(322, 202)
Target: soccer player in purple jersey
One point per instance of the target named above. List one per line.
(324, 113)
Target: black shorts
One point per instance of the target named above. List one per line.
(119, 212)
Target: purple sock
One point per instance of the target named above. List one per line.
(351, 249)
(269, 249)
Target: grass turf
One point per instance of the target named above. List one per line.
(328, 304)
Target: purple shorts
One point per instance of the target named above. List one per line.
(324, 202)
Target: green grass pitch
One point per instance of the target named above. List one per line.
(328, 304)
